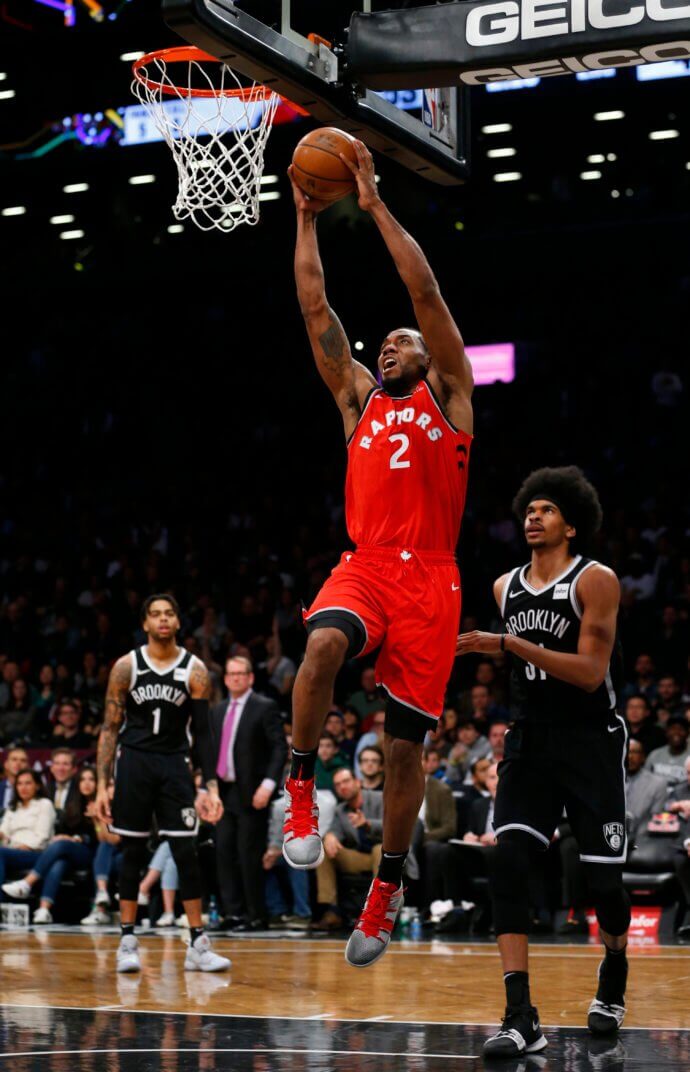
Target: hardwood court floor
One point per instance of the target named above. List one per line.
(430, 982)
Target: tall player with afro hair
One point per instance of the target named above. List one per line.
(567, 745)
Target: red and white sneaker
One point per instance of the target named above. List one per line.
(369, 940)
(302, 845)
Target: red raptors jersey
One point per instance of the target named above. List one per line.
(406, 474)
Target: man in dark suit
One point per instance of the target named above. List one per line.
(16, 759)
(248, 738)
(63, 784)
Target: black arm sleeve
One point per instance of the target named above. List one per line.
(202, 748)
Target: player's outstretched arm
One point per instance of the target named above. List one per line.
(450, 366)
(329, 343)
(115, 702)
(208, 804)
(598, 591)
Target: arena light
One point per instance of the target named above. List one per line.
(611, 156)
(270, 195)
(603, 117)
(615, 194)
(141, 180)
(492, 363)
(175, 228)
(497, 128)
(75, 188)
(359, 345)
(596, 158)
(13, 210)
(6, 94)
(130, 57)
(494, 154)
(267, 180)
(507, 176)
(663, 135)
(67, 235)
(588, 175)
(3, 76)
(61, 219)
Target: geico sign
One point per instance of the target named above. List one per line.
(508, 20)
(591, 61)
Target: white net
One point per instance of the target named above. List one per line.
(217, 140)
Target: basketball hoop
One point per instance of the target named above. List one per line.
(216, 128)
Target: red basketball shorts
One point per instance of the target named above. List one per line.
(409, 603)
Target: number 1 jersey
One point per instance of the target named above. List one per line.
(159, 705)
(406, 474)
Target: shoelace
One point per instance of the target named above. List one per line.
(374, 917)
(300, 820)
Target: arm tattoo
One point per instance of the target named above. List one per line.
(334, 345)
(115, 701)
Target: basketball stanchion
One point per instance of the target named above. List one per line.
(216, 128)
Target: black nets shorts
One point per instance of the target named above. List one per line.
(149, 784)
(577, 768)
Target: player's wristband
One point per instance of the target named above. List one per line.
(503, 642)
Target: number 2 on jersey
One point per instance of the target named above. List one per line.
(156, 719)
(404, 442)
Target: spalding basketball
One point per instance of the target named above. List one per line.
(318, 169)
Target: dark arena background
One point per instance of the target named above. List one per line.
(164, 429)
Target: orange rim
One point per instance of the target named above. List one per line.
(189, 54)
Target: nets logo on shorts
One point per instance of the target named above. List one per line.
(614, 833)
(189, 817)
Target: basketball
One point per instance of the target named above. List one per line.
(318, 169)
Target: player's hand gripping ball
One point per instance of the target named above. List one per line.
(317, 168)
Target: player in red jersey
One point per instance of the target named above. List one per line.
(408, 452)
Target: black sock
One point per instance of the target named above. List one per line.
(126, 928)
(517, 988)
(194, 933)
(613, 976)
(391, 867)
(302, 768)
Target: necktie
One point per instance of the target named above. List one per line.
(226, 736)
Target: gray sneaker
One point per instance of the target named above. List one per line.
(128, 954)
(200, 957)
(369, 940)
(302, 845)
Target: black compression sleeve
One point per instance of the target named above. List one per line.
(203, 747)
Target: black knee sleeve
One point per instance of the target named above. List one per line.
(135, 855)
(510, 881)
(185, 856)
(611, 899)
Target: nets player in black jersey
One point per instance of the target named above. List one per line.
(567, 745)
(154, 694)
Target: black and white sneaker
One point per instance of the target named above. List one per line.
(520, 1033)
(606, 1013)
(604, 1019)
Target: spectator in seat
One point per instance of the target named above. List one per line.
(481, 831)
(466, 794)
(668, 695)
(106, 863)
(644, 681)
(478, 710)
(669, 761)
(641, 725)
(485, 674)
(437, 825)
(374, 736)
(328, 761)
(26, 827)
(679, 803)
(16, 759)
(497, 732)
(351, 733)
(367, 699)
(10, 673)
(280, 670)
(67, 730)
(352, 844)
(44, 700)
(63, 785)
(432, 761)
(371, 762)
(469, 747)
(72, 847)
(17, 721)
(162, 868)
(335, 725)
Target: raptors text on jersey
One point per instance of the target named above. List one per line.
(406, 474)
